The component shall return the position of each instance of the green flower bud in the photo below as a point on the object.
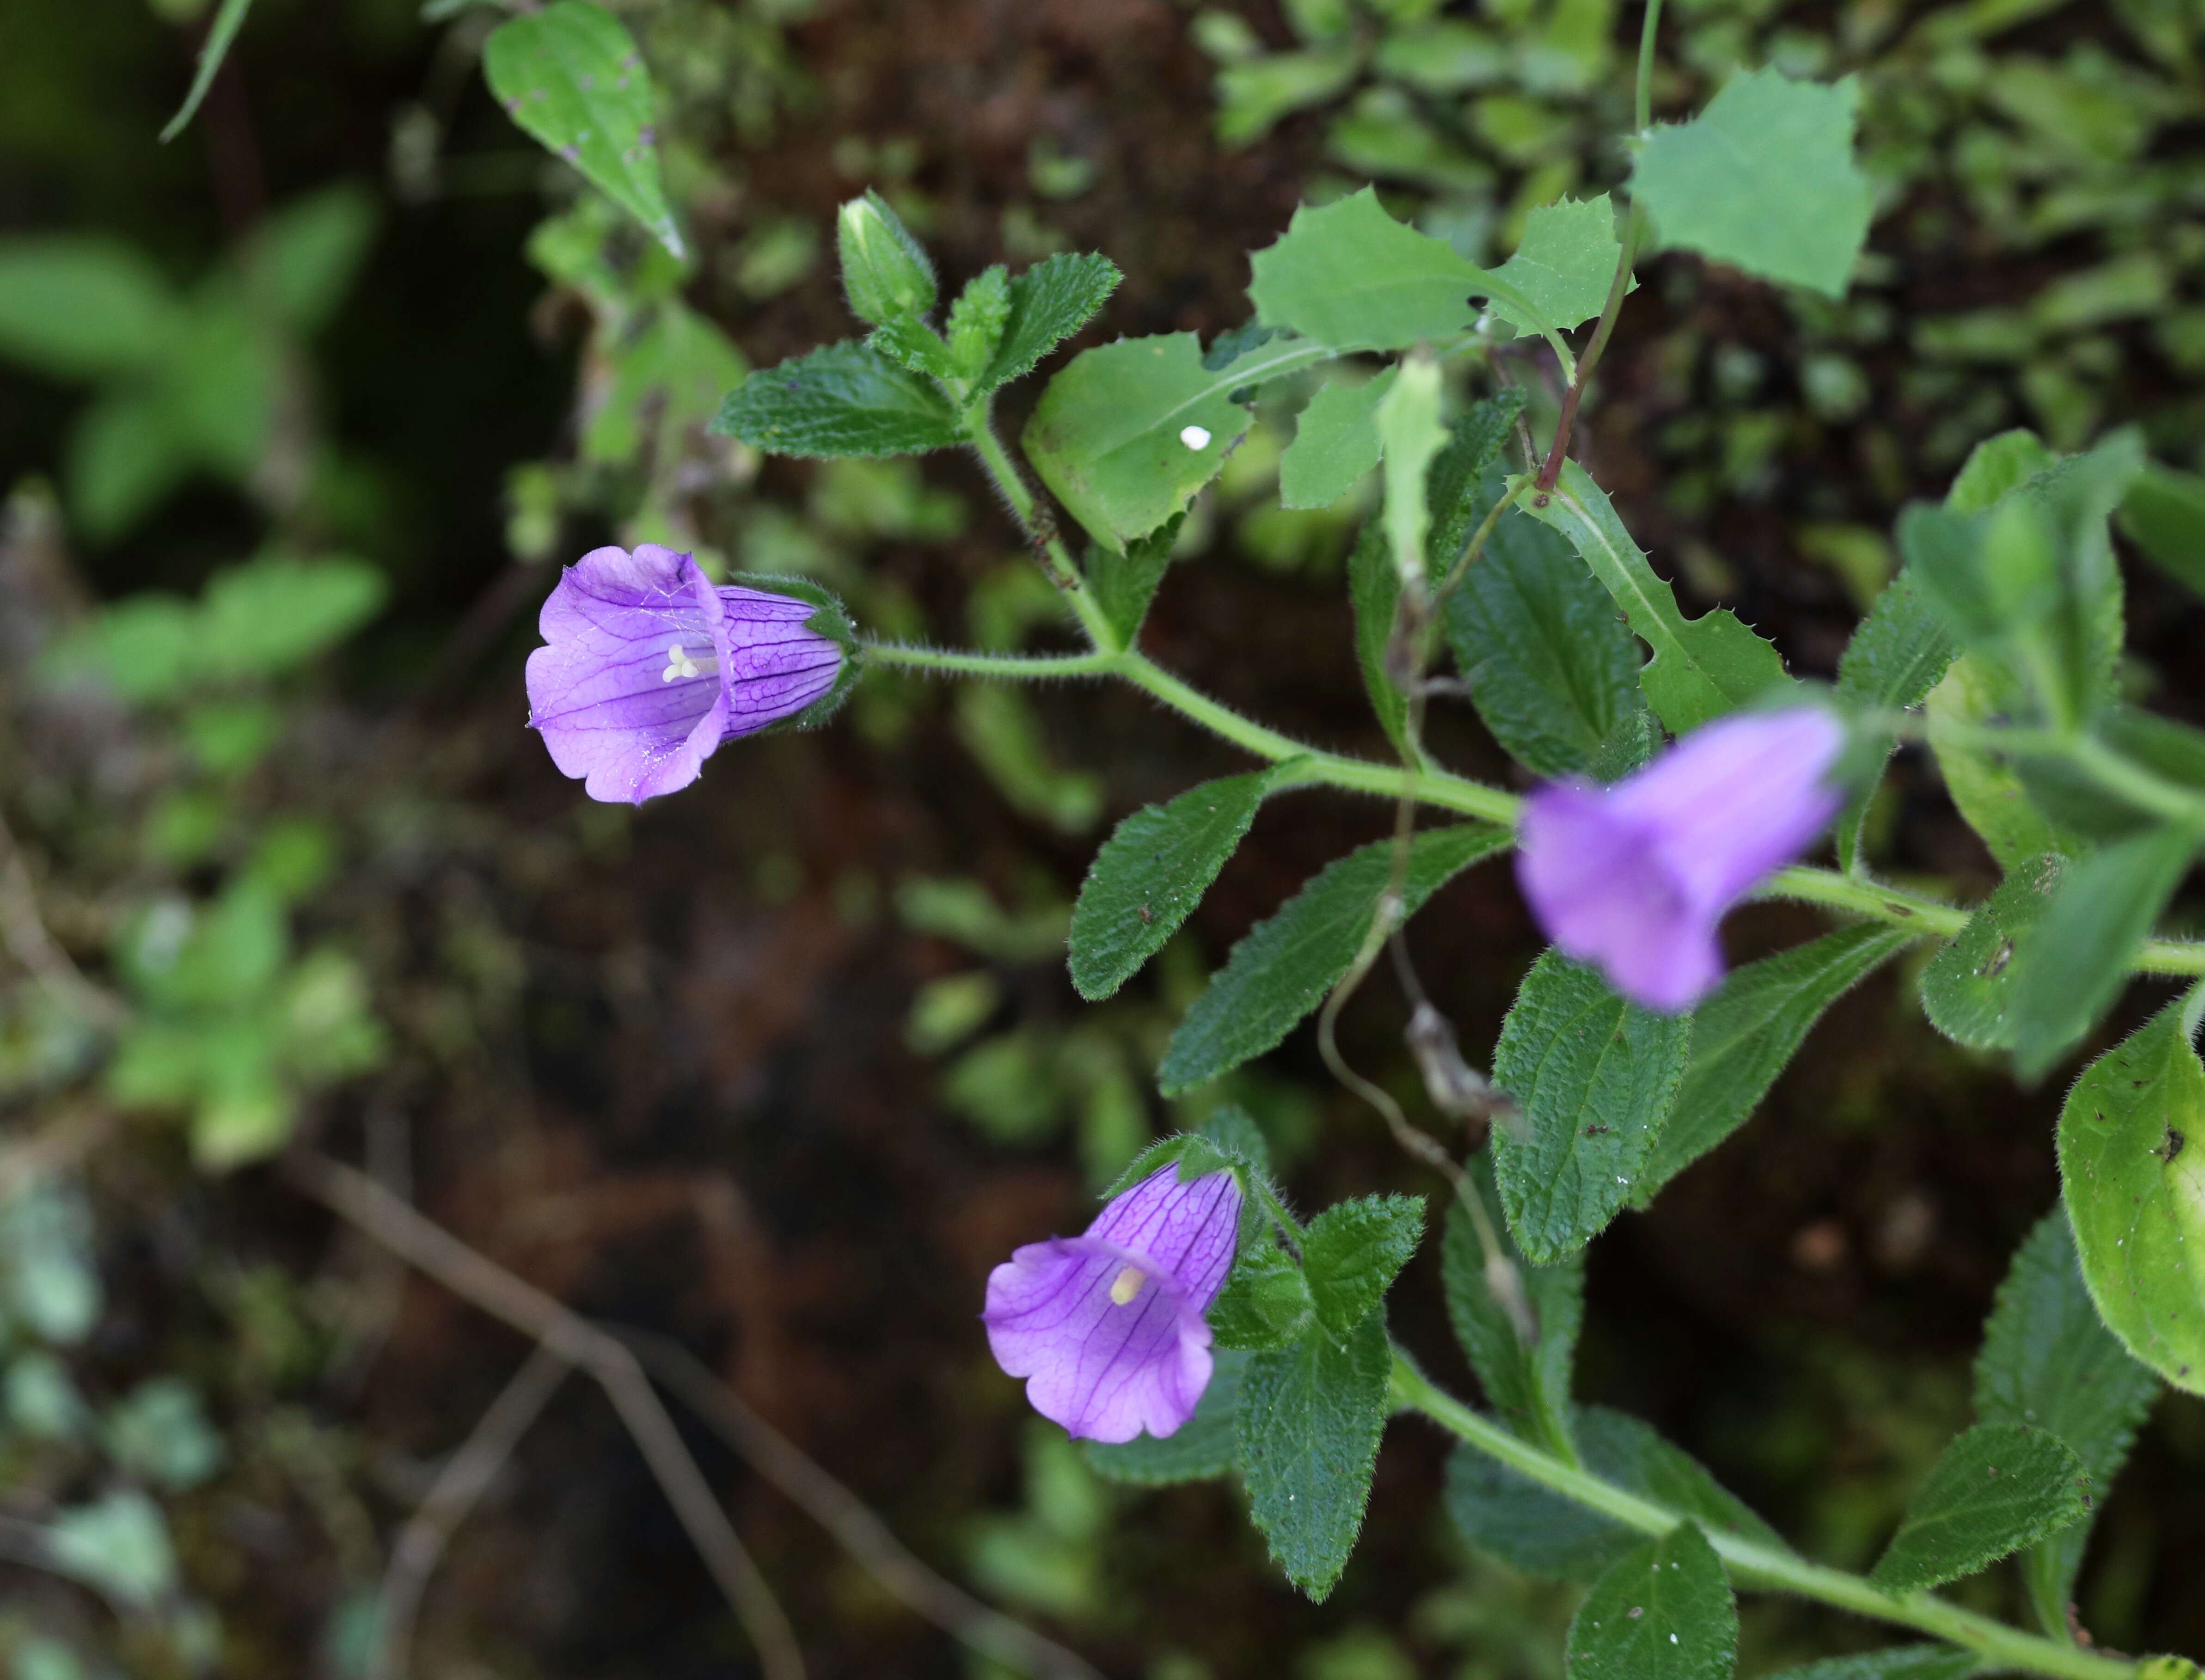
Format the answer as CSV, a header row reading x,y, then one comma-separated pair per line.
x,y
885,271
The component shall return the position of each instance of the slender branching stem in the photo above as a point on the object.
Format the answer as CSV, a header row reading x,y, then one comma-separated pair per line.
x,y
1056,560
1756,1566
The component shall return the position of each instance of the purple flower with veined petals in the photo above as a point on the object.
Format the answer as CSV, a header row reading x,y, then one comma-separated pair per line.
x,y
648,667
1634,878
1108,1327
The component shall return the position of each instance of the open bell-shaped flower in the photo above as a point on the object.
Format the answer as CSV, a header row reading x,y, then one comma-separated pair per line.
x,y
1634,878
1107,1328
647,667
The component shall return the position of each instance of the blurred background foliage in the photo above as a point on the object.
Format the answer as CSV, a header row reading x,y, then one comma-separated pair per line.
x,y
298,413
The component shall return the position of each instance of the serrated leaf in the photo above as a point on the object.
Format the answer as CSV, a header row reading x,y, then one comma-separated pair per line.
x,y
1764,179
1551,671
2075,961
1902,648
2132,1161
1265,1302
911,344
1664,1612
1353,1253
2164,514
977,321
1967,988
1284,967
1049,303
1900,1662
1349,276
1461,489
1998,1487
1374,594
1311,1419
570,75
1335,443
83,308
1203,1446
1702,668
1593,1076
2049,1362
271,614
1125,581
1529,1385
845,399
1151,873
1128,432
1748,1030
1565,263
221,35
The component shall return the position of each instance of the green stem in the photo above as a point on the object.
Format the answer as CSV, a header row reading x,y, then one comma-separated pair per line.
x,y
1758,1567
1059,564
1642,106
1027,667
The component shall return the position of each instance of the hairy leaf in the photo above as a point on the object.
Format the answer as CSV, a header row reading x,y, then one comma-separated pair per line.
x,y
1151,873
1702,668
1265,1303
1968,987
1527,1385
2049,1362
844,399
1594,1076
1335,443
1310,1418
2132,1160
1284,967
974,332
1049,303
1353,1252
1374,594
1203,1446
1998,1487
1125,581
1764,180
1664,1612
1901,649
570,75
1744,1034
1989,793
2164,514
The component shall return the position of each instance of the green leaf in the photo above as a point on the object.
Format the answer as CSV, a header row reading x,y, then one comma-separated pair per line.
x,y
1310,1418
1989,793
1353,1252
1550,669
1462,490
2049,1362
1409,431
265,617
570,75
1373,593
2164,514
1335,443
1998,1487
1744,1034
1253,95
2075,962
911,343
83,308
1128,432
842,400
220,34
1527,1385
1995,467
1565,263
1900,1662
1902,647
118,1545
1049,303
1125,581
1285,965
1151,873
1594,1076
1764,180
2132,1160
1350,276
1265,1303
2066,793
125,454
300,261
1203,1446
1702,668
977,320
1664,1612
1968,987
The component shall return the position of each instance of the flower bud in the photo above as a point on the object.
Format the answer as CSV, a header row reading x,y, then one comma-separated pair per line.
x,y
886,273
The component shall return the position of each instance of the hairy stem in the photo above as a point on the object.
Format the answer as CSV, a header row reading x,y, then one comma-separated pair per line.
x,y
1757,1567
1055,560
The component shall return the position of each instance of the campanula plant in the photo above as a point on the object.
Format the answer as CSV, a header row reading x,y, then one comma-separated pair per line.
x,y
1200,1325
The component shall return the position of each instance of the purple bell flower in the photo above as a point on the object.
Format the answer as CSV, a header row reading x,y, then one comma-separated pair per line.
x,y
1108,1327
648,667
1634,878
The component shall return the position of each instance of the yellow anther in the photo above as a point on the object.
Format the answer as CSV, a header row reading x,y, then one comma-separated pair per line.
x,y
1126,1285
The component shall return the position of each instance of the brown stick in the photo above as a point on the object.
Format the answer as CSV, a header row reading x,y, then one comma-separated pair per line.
x,y
430,1248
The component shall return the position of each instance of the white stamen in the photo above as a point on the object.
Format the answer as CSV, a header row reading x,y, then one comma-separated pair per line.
x,y
1127,1285
678,663
1195,437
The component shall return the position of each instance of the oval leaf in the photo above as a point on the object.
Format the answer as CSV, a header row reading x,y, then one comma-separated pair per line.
x,y
1967,990
847,399
1998,1487
1663,1612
